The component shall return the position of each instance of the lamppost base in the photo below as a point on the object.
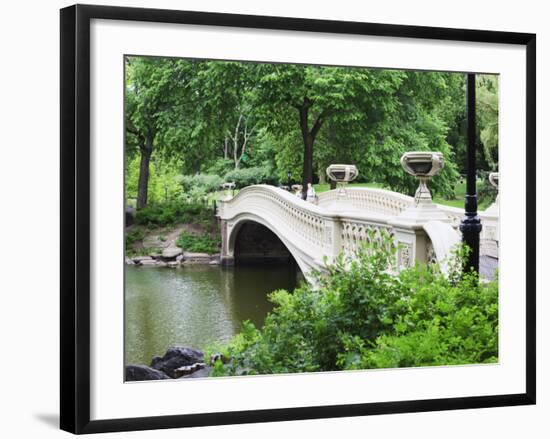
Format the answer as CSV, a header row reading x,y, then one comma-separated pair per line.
x,y
471,229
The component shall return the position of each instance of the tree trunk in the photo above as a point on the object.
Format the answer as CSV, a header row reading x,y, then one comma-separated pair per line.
x,y
307,172
308,137
322,176
225,147
143,183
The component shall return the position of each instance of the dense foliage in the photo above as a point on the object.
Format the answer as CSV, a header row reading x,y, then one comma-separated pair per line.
x,y
253,175
255,123
362,316
166,214
199,243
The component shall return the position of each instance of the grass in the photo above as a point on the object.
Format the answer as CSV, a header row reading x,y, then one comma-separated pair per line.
x,y
458,200
319,188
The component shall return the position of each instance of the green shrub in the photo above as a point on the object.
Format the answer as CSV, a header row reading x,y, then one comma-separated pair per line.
x,y
221,166
199,243
197,186
173,212
247,176
360,316
133,236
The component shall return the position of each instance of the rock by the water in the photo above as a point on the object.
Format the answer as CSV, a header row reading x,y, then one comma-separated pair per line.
x,y
188,370
128,261
173,264
135,372
179,258
149,262
171,252
214,262
201,373
176,357
140,259
190,255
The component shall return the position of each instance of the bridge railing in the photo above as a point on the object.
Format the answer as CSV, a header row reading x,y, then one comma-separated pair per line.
x,y
370,199
313,231
393,203
297,220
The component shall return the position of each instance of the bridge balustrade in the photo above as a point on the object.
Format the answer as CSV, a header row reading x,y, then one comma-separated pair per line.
x,y
312,232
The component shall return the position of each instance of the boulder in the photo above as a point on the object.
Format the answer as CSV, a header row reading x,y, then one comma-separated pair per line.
x,y
129,261
140,259
171,252
173,264
201,373
149,262
179,258
188,370
176,357
189,255
136,372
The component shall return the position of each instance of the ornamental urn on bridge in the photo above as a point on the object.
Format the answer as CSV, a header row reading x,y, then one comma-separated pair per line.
x,y
342,175
423,165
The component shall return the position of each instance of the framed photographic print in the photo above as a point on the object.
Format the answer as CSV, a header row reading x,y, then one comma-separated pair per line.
x,y
271,218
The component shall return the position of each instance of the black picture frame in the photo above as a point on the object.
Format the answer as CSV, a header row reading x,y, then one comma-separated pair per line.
x,y
75,217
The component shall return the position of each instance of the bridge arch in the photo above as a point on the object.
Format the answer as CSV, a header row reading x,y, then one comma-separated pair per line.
x,y
235,227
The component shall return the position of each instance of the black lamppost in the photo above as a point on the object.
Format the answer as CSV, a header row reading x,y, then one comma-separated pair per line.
x,y
289,175
471,224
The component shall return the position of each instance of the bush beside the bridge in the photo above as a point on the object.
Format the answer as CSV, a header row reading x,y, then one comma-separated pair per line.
x,y
362,317
243,177
199,243
174,212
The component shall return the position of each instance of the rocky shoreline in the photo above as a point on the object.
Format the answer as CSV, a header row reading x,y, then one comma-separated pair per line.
x,y
173,257
178,362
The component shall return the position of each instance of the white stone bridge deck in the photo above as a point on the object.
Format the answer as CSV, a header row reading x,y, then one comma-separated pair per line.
x,y
338,224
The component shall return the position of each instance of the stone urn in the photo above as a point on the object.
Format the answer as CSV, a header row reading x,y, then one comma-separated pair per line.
x,y
228,187
423,165
342,175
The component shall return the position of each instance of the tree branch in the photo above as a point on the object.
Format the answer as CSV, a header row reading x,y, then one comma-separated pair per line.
x,y
318,123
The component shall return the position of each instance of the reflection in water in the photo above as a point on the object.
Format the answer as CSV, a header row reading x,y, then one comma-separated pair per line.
x,y
196,305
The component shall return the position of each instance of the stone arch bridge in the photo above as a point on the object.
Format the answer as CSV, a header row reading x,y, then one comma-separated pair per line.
x,y
340,222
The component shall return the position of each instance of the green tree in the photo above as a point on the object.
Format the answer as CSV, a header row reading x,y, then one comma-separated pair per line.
x,y
487,115
227,101
314,95
159,112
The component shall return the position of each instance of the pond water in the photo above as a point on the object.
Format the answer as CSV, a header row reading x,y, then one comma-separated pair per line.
x,y
195,305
